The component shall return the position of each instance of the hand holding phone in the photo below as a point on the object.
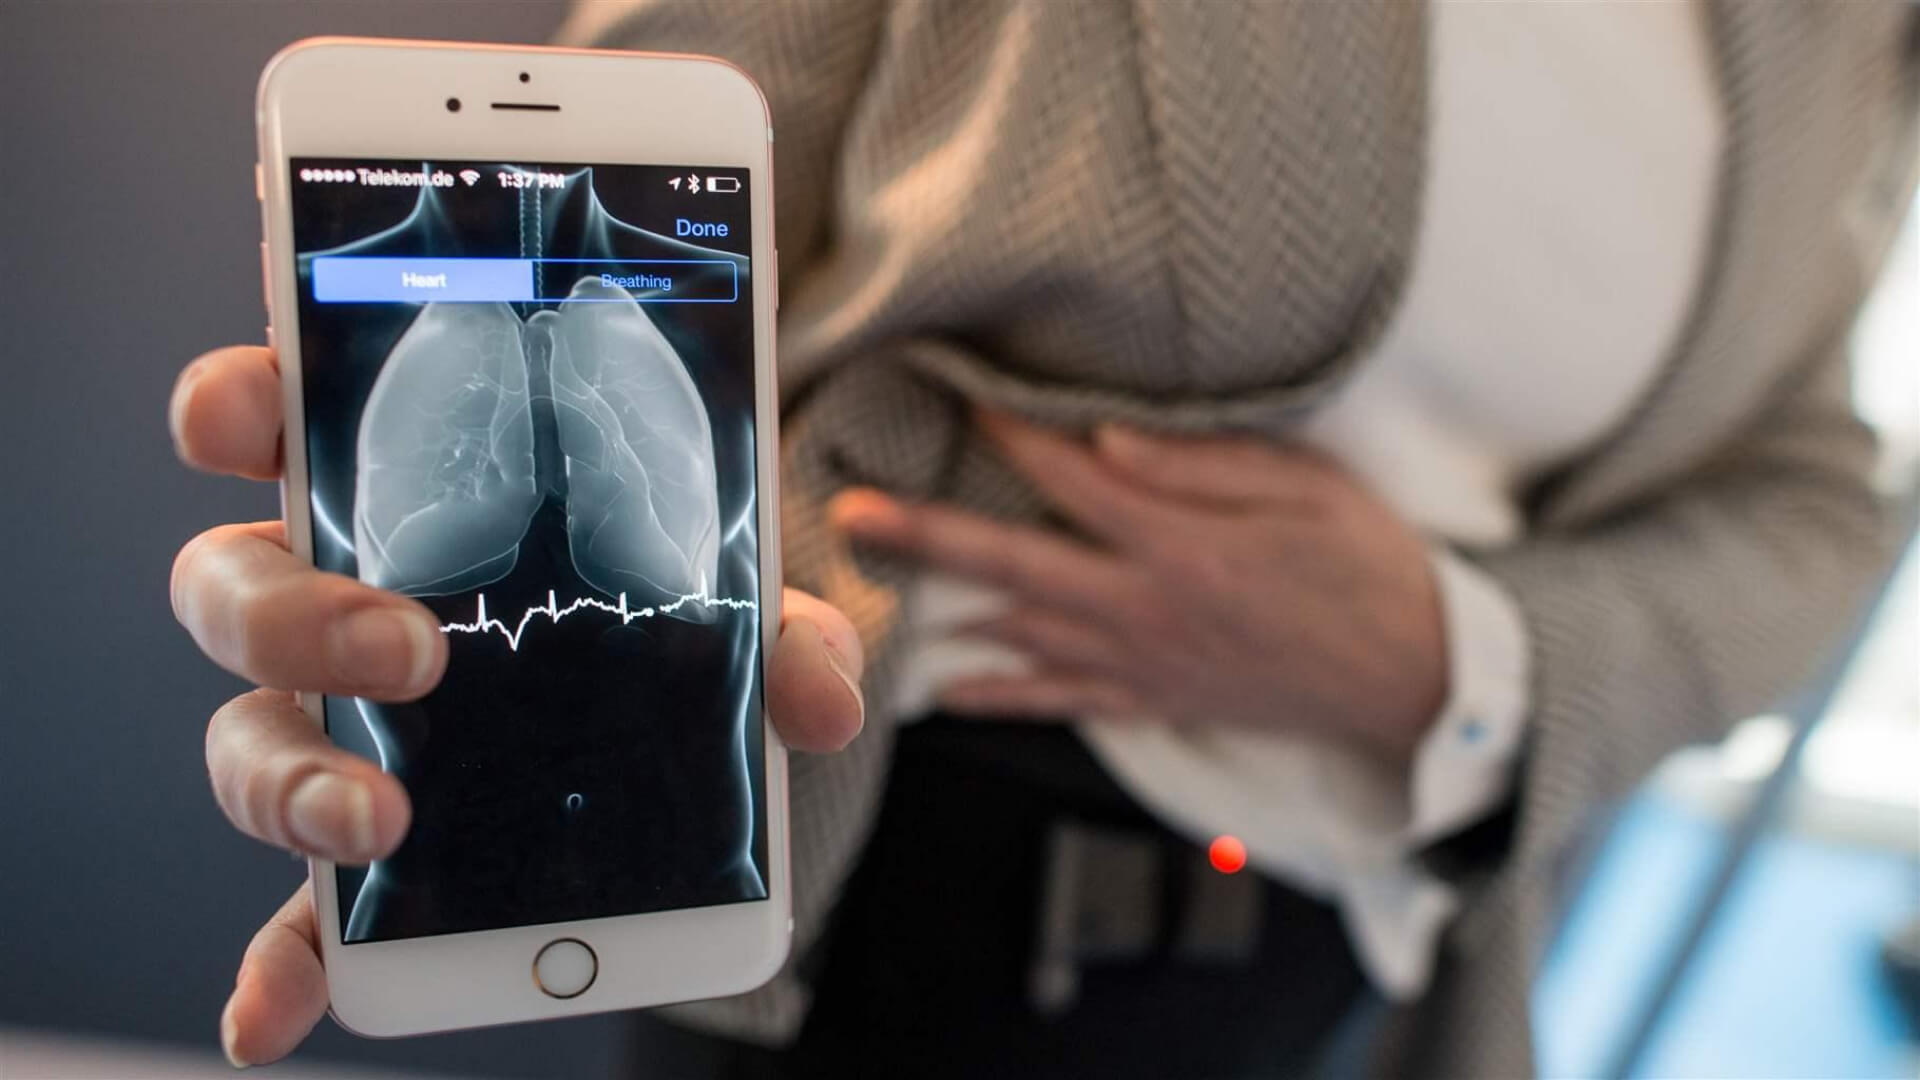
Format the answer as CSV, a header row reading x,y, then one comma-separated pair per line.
x,y
528,425
267,616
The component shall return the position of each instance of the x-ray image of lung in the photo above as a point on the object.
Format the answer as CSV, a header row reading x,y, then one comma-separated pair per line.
x,y
642,509
448,484
588,453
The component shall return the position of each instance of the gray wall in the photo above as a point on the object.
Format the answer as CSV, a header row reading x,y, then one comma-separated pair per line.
x,y
127,244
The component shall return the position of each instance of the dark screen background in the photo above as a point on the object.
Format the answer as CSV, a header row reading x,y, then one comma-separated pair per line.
x,y
602,769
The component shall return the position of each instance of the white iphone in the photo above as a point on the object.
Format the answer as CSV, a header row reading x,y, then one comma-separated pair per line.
x,y
523,300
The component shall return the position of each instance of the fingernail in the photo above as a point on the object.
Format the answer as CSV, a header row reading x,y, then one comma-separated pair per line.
x,y
868,512
385,649
230,1038
177,406
329,814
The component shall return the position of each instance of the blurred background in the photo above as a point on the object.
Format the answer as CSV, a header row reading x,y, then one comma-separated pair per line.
x,y
1734,915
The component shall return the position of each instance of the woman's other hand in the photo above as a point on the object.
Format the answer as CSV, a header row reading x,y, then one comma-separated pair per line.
x,y
1223,581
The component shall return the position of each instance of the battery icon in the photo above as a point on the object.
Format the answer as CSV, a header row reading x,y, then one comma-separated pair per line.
x,y
723,185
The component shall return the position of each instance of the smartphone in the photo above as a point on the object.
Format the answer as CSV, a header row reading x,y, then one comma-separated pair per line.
x,y
523,302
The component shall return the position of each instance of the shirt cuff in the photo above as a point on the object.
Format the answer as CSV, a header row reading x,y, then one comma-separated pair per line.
x,y
1464,766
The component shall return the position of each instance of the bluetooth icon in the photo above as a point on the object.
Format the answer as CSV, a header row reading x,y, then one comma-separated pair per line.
x,y
693,184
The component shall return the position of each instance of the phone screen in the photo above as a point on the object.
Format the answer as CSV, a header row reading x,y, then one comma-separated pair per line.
x,y
529,403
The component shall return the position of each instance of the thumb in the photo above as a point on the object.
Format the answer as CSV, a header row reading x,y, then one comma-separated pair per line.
x,y
281,991
813,678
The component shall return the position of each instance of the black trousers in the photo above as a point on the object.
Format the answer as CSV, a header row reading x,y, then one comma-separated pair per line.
x,y
928,967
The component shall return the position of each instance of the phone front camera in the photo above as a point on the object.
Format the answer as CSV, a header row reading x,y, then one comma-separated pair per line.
x,y
453,104
524,77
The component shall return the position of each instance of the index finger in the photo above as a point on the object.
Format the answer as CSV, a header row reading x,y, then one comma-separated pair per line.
x,y
225,412
268,616
1027,562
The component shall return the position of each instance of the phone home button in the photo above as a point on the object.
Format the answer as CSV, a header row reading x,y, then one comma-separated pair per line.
x,y
565,968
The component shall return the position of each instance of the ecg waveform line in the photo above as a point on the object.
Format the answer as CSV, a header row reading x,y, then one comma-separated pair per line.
x,y
483,623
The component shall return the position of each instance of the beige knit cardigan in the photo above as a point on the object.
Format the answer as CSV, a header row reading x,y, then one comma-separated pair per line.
x,y
1196,215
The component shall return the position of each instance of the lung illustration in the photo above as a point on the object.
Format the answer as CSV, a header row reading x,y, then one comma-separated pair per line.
x,y
447,485
643,514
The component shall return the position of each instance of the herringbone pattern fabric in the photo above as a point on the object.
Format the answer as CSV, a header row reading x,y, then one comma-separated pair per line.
x,y
1197,214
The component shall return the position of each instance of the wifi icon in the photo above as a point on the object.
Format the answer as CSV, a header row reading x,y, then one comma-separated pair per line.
x,y
469,176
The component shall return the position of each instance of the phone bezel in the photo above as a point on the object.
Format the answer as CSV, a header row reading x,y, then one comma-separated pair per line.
x,y
348,97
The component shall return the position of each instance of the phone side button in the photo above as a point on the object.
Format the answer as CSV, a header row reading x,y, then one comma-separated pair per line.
x,y
565,968
266,287
259,184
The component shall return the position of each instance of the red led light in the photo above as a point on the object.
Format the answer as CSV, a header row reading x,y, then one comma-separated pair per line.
x,y
1227,854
